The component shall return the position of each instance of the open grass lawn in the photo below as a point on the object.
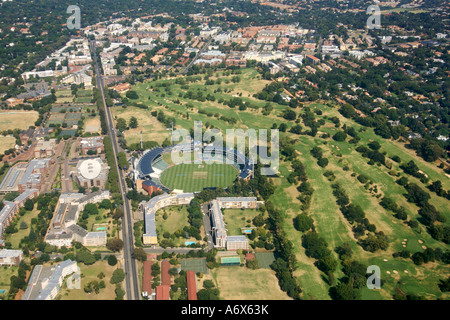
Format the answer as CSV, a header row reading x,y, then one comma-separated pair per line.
x,y
152,129
17,119
177,218
241,283
63,93
88,274
194,177
167,102
15,238
235,219
6,143
5,278
83,99
92,124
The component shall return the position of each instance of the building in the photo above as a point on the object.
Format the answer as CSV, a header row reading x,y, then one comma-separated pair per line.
x,y
312,59
93,145
45,148
236,243
10,257
163,292
11,208
64,229
45,282
92,173
147,279
165,276
218,228
149,209
191,285
34,174
78,78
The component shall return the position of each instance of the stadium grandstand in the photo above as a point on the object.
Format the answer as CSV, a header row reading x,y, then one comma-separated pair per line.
x,y
151,164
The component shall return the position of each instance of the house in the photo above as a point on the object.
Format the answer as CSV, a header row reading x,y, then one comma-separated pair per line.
x,y
147,279
312,59
93,145
45,148
165,276
163,292
10,257
191,285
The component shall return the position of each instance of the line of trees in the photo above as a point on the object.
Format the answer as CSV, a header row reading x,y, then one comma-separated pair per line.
x,y
356,217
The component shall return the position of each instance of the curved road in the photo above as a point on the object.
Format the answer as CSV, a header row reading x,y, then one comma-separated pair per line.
x,y
131,279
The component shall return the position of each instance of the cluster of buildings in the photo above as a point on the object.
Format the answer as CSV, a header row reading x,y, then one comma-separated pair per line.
x,y
45,282
64,230
11,208
149,208
73,62
25,176
162,291
218,226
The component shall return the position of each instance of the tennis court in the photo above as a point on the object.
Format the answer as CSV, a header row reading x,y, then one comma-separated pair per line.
x,y
196,265
265,259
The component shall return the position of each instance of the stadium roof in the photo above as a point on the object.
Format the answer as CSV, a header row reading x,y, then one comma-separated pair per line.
x,y
90,168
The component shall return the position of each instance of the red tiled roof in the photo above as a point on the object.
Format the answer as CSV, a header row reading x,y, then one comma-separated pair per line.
x,y
191,285
162,292
147,278
165,276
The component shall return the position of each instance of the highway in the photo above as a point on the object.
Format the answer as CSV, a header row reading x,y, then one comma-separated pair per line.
x,y
131,279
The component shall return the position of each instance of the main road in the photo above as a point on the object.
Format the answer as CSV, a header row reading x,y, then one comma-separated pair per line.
x,y
131,279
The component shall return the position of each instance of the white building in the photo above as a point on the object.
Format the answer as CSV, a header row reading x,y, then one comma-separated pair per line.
x,y
45,282
10,257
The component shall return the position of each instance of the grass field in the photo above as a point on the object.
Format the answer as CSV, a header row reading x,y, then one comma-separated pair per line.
x,y
235,219
177,218
17,119
241,283
265,259
194,177
6,142
88,274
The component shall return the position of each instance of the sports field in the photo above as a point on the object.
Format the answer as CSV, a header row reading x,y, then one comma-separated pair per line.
x,y
194,177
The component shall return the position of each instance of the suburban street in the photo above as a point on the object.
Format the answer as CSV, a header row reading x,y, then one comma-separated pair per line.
x,y
131,279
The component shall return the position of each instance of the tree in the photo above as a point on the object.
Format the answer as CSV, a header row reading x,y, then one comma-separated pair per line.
x,y
323,162
303,222
139,254
118,276
339,136
91,209
29,205
112,260
133,122
345,291
114,244
327,263
131,94
121,125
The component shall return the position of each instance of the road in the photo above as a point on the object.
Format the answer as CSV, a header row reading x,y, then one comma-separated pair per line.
x,y
131,279
185,70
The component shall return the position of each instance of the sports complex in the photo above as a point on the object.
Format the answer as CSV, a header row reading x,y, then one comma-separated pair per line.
x,y
217,167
